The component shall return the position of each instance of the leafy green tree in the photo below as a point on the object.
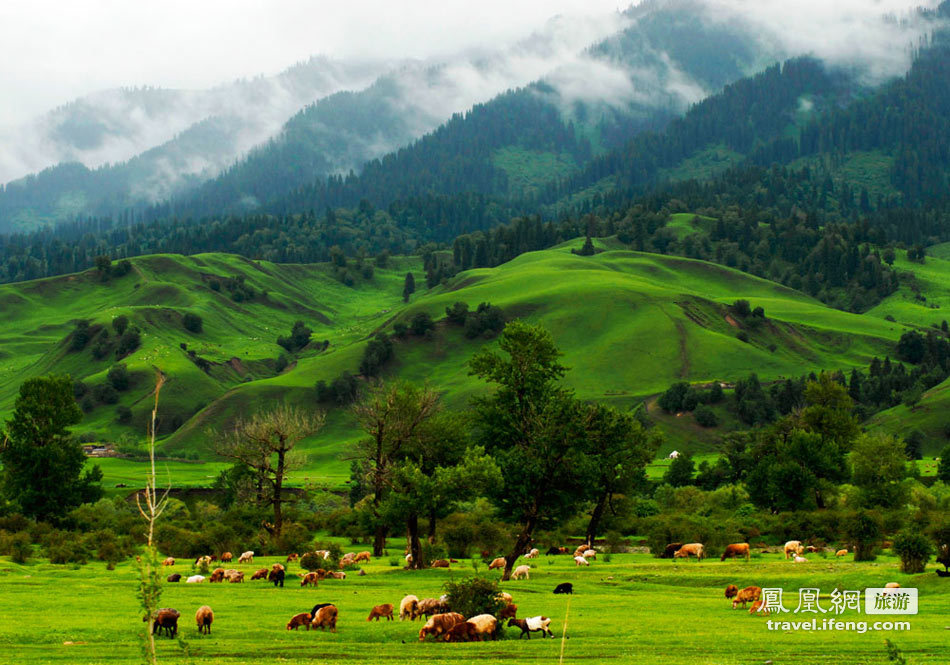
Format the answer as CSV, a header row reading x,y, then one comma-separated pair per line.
x,y
265,442
377,353
863,529
299,337
742,308
408,287
878,465
914,444
530,426
791,467
120,324
672,400
618,450
42,462
421,323
105,393
705,416
419,486
192,322
680,471
80,336
457,313
829,412
118,377
103,267
588,248
914,550
943,468
394,418
128,342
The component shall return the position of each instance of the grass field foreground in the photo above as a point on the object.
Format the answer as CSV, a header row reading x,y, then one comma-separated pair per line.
x,y
633,609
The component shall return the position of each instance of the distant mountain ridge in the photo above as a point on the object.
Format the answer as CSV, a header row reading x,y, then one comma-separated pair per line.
x,y
660,62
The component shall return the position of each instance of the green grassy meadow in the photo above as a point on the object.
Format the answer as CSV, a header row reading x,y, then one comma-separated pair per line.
x,y
634,609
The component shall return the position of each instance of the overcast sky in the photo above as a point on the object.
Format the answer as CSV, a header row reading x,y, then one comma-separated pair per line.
x,y
54,50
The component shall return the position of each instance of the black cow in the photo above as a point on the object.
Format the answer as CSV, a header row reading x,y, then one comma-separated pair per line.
x,y
316,607
277,577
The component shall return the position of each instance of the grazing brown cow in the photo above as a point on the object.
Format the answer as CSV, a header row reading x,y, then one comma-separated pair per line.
x,y
735,550
439,563
381,611
260,574
841,553
690,549
793,548
217,575
204,617
170,561
731,591
361,557
299,620
166,619
462,632
486,626
226,557
440,624
325,618
310,579
430,606
292,557
497,563
749,594
409,608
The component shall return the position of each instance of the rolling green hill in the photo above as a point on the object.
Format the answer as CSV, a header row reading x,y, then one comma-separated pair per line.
x,y
629,324
924,295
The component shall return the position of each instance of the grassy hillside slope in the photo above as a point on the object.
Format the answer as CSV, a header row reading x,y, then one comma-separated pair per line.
x,y
924,295
629,324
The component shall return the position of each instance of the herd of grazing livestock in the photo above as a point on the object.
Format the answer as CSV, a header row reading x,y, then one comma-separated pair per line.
x,y
440,622
793,550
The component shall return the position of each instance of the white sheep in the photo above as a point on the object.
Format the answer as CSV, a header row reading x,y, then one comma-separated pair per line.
x,y
521,572
247,557
532,553
581,561
195,579
800,559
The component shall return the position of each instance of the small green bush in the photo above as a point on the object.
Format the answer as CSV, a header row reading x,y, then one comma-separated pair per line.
x,y
472,596
914,550
706,417
17,546
192,322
